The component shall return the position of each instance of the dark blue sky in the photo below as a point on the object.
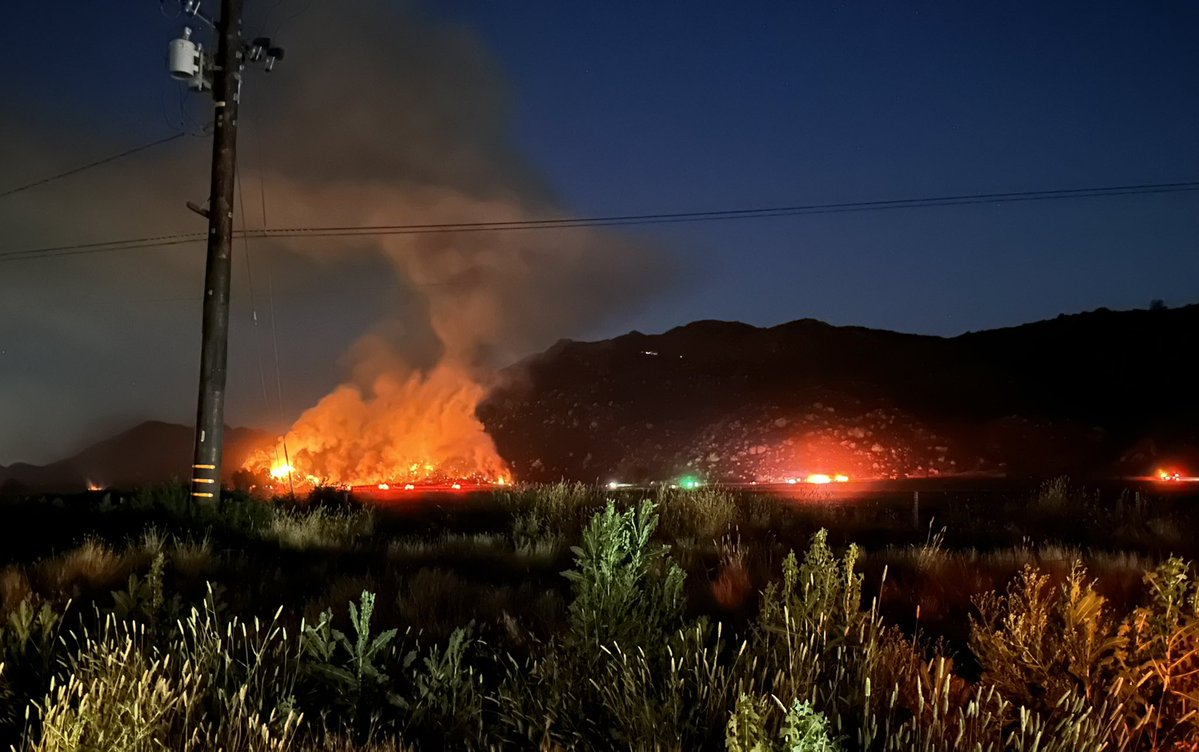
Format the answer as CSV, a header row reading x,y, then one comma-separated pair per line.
x,y
668,106
678,106
616,107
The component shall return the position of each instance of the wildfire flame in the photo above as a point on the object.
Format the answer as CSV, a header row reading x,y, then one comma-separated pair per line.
x,y
406,429
819,479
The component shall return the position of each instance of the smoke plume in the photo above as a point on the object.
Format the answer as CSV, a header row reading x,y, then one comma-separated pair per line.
x,y
421,137
379,115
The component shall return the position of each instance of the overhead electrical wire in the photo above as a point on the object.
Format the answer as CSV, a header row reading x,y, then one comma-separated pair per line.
x,y
241,197
160,241
611,220
271,302
91,165
729,214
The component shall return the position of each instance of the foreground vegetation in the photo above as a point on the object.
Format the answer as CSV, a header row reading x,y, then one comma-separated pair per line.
x,y
555,618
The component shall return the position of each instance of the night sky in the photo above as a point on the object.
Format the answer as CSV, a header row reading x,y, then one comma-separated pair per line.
x,y
392,112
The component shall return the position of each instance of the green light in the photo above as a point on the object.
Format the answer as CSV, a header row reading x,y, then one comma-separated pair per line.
x,y
689,483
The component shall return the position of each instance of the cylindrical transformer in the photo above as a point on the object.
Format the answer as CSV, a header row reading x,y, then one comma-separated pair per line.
x,y
183,60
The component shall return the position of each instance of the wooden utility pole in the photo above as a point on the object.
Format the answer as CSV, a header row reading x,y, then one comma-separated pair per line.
x,y
214,346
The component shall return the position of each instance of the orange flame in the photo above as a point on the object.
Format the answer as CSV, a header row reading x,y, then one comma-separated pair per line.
x,y
410,427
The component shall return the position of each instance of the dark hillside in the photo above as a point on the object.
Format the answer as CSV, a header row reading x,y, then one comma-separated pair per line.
x,y
1081,394
151,452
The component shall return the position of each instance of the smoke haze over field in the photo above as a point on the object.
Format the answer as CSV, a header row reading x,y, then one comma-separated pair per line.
x,y
405,125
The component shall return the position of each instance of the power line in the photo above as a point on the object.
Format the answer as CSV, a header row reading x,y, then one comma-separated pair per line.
x,y
241,197
730,214
104,247
613,220
90,165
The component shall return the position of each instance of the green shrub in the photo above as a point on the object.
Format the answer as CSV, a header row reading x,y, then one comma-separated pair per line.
x,y
1038,644
447,697
626,589
9,705
143,599
348,674
614,674
820,593
1160,655
746,730
32,643
812,641
805,730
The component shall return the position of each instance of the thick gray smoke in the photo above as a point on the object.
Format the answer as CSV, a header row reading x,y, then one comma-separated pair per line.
x,y
378,115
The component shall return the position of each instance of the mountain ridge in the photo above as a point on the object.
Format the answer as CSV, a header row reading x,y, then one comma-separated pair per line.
x,y
727,400
1088,393
149,452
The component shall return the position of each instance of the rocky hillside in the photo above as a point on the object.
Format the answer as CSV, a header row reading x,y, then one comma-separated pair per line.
x,y
1094,393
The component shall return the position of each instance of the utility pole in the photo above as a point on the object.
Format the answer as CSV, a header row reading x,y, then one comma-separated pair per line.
x,y
214,340
187,61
